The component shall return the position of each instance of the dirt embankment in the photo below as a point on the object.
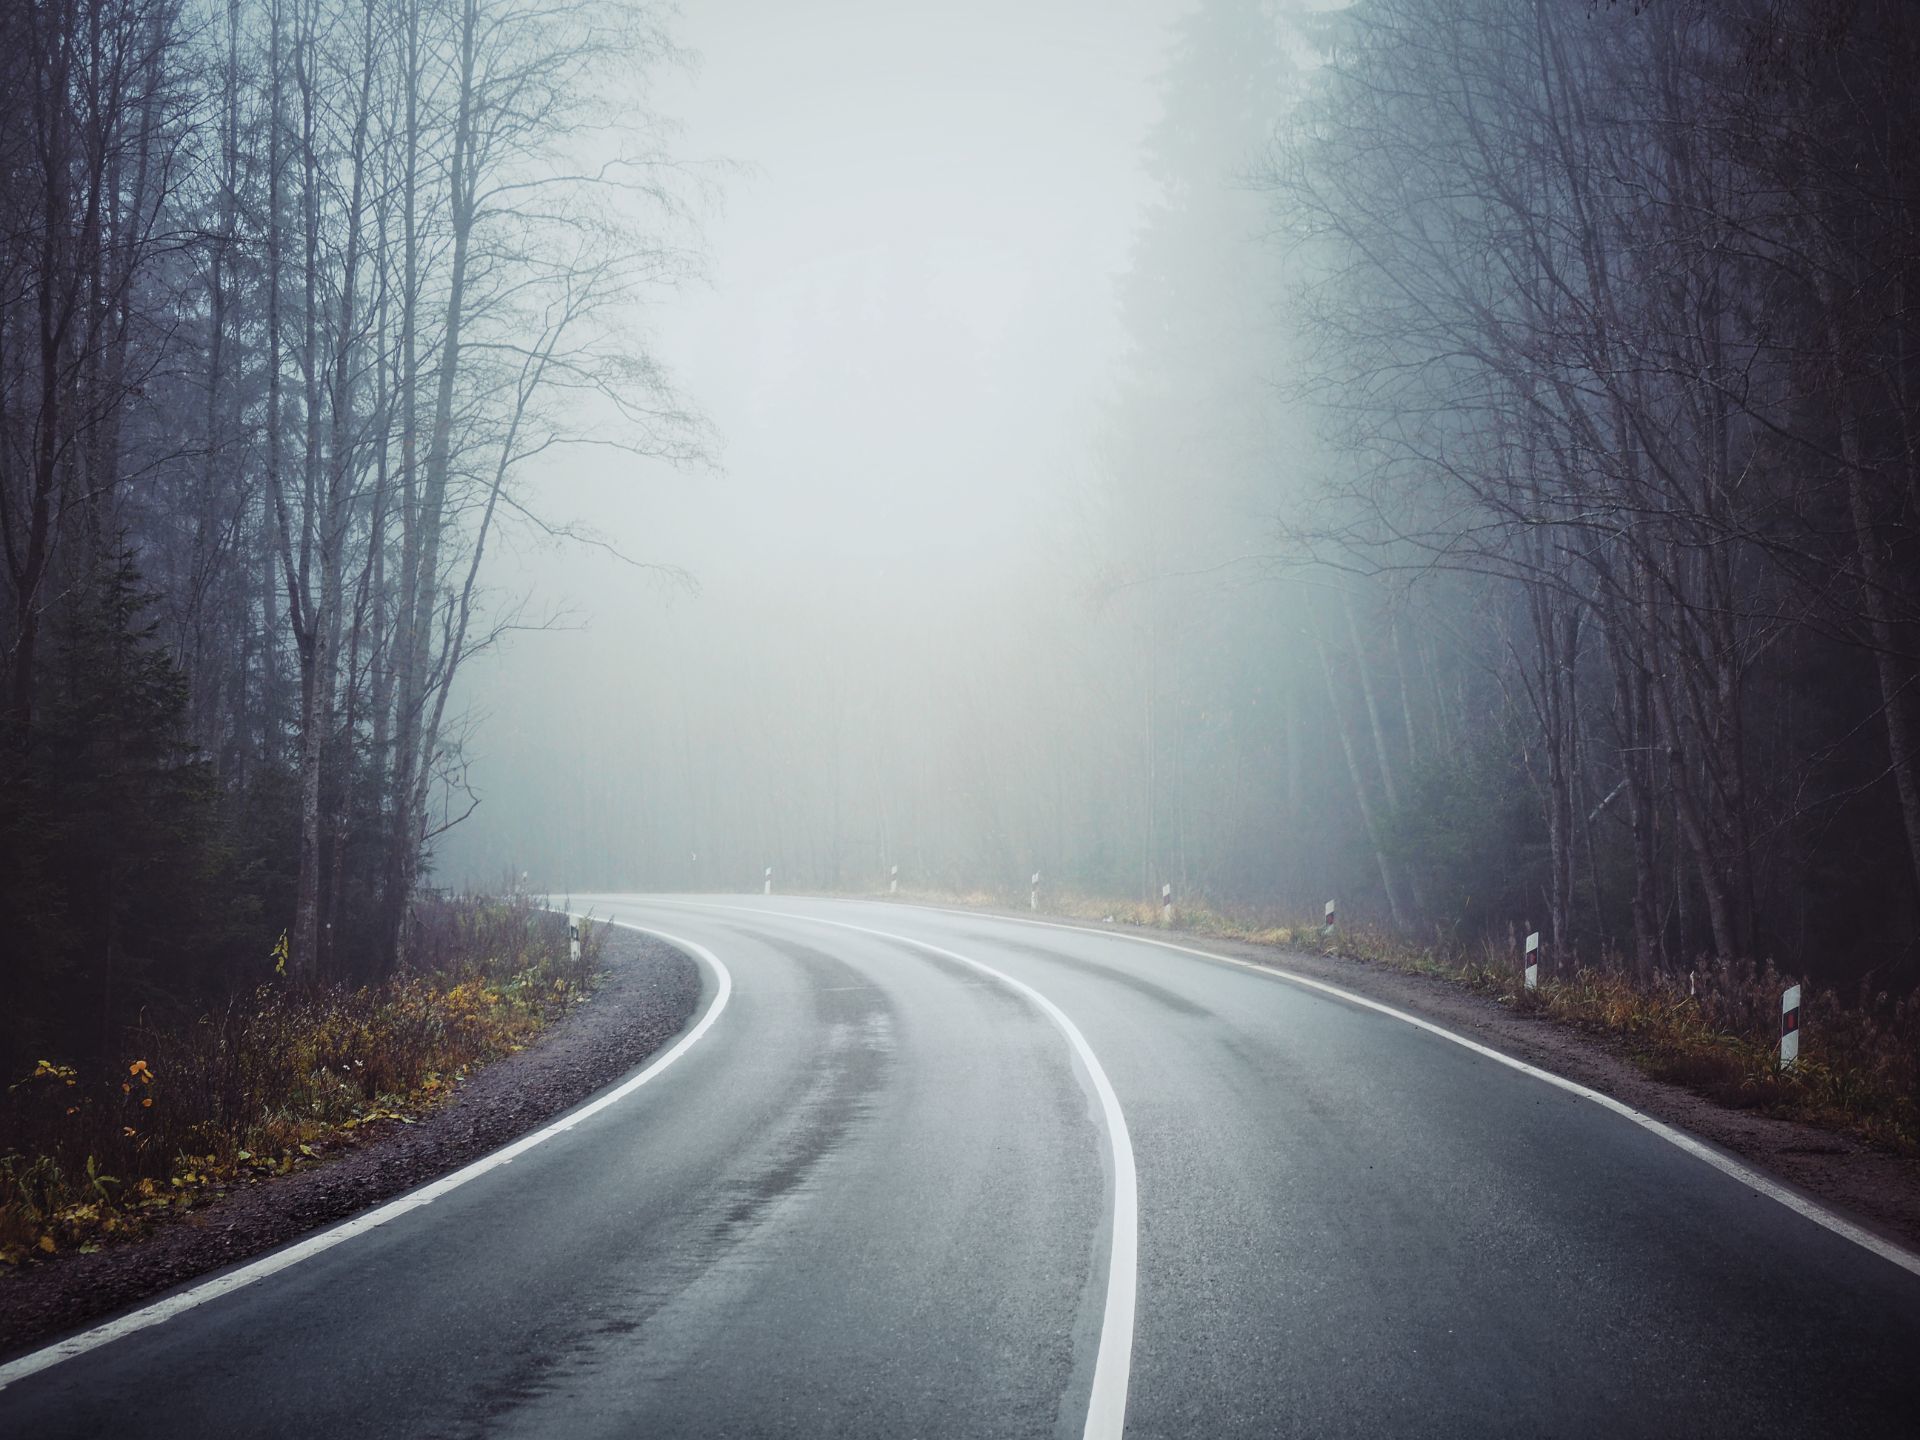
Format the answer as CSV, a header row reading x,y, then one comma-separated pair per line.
x,y
648,995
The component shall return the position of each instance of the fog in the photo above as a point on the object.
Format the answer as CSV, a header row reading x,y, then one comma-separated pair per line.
x,y
905,344
1429,488
1458,459
1281,451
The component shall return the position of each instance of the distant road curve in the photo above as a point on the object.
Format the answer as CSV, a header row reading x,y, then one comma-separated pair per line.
x,y
913,1172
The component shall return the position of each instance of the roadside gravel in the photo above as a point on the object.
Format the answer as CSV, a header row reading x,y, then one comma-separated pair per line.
x,y
649,993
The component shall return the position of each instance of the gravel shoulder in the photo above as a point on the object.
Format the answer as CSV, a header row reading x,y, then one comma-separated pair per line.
x,y
1875,1189
650,992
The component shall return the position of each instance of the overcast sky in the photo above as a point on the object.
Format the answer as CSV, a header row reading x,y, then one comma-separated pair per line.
x,y
911,312
913,302
909,329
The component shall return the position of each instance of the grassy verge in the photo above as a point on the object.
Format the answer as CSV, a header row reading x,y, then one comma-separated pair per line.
x,y
1715,1030
273,1079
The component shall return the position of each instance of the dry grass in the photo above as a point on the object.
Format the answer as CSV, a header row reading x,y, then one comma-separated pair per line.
x,y
1715,1031
272,1079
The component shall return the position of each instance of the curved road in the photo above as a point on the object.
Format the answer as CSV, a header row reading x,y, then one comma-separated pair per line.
x,y
913,1173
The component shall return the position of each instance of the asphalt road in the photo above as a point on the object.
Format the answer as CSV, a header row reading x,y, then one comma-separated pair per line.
x,y
897,1187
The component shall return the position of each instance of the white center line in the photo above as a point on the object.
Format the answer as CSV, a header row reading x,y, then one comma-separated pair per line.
x,y
1113,1362
291,1255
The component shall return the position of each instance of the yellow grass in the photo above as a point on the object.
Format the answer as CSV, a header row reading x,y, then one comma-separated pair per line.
x,y
271,1081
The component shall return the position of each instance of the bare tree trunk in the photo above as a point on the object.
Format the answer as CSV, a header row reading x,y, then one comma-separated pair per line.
x,y
1389,881
342,467
1383,759
1406,690
314,637
1296,806
1634,735
417,741
1896,689
411,601
29,554
209,545
1556,628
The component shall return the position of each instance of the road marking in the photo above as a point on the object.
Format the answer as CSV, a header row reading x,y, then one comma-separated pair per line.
x,y
1113,1362
1801,1205
273,1264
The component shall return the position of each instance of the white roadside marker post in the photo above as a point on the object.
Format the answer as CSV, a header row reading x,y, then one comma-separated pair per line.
x,y
1533,961
767,888
573,938
1789,1027
1166,904
1329,925
1033,894
893,881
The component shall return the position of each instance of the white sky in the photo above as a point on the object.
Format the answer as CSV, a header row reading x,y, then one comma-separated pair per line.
x,y
911,317
910,328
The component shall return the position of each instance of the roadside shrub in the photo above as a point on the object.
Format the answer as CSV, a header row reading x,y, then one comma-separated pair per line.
x,y
272,1078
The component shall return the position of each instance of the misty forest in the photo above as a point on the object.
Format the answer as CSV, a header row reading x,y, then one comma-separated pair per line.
x,y
1491,500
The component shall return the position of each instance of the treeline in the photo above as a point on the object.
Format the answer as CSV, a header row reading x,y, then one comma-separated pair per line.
x,y
1505,521
290,293
1612,342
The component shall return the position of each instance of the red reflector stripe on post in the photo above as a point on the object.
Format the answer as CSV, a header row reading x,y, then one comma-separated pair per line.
x,y
1790,1022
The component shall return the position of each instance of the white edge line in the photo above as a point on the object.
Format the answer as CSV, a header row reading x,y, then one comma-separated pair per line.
x,y
1800,1204
1113,1360
283,1259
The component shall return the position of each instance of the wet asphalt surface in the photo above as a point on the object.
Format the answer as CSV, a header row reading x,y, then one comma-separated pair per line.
x,y
875,1199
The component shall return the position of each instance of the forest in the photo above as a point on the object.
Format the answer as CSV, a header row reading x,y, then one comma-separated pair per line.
x,y
1021,717
1500,516
291,292
1501,520
1616,337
